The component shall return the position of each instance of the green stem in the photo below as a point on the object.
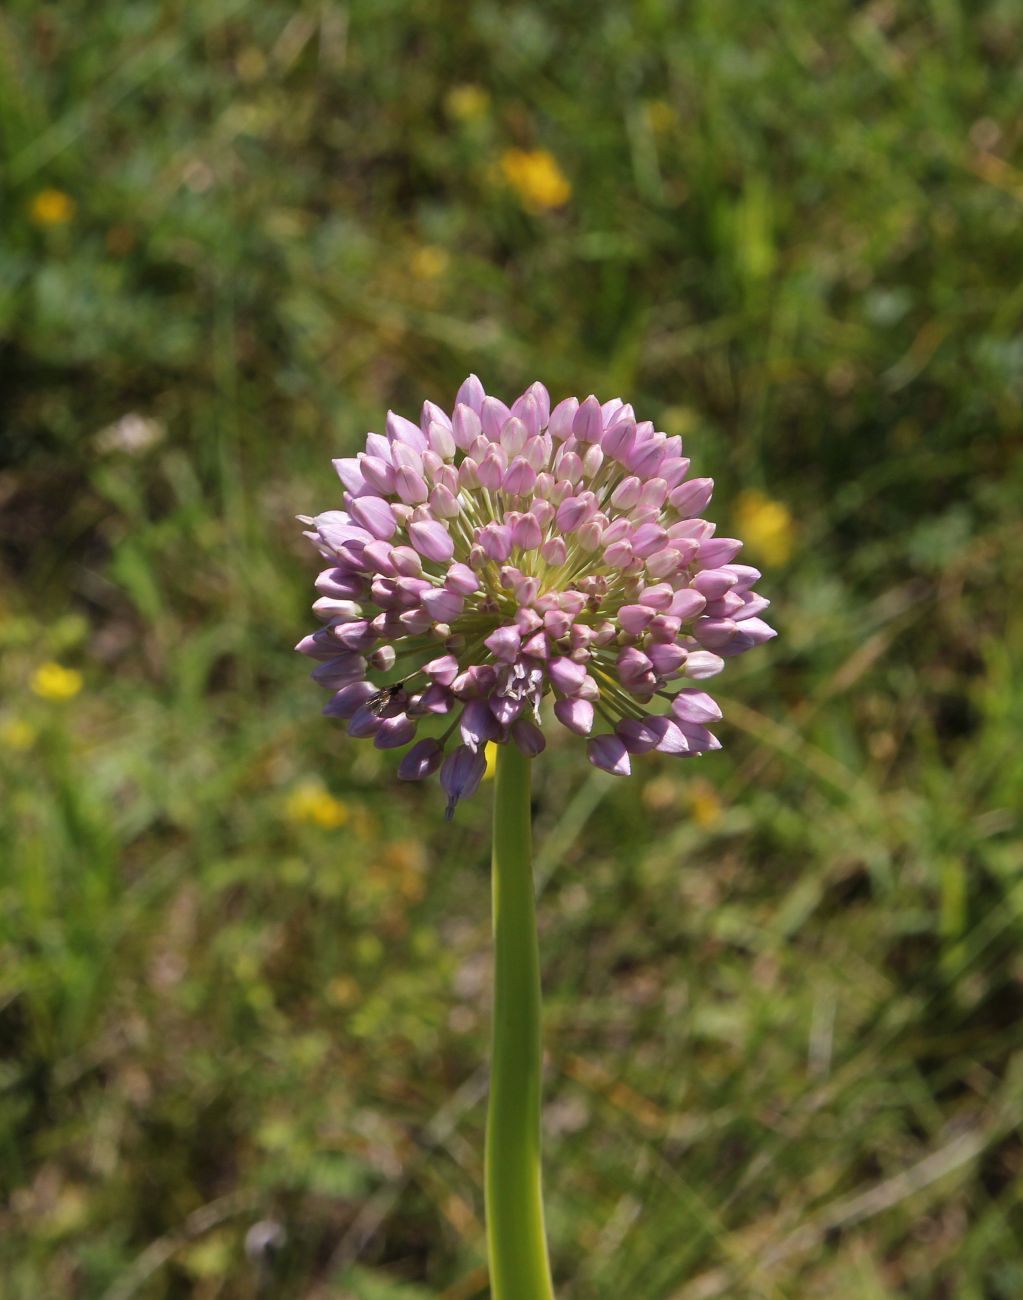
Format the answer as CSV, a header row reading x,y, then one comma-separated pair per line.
x,y
516,1242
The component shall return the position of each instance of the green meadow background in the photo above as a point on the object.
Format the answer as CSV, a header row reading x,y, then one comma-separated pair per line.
x,y
244,975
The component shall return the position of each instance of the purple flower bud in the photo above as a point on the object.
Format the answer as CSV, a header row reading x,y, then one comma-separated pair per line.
x,y
441,439
664,627
504,644
557,623
645,458
638,736
609,753
443,670
572,602
432,541
648,538
568,467
520,478
436,699
378,557
358,636
383,658
536,646
634,618
349,699
461,578
471,394
528,737
321,645
692,497
653,494
513,436
665,563
633,667
588,426
566,675
716,551
576,715
745,576
350,473
340,583
395,732
752,605
443,503
691,705
493,414
619,440
686,604
468,475
492,469
542,399
421,760
725,606
562,419
331,610
414,621
526,409
713,633
554,552
749,633
409,592
364,722
442,605
713,583
699,739
496,541
378,473
543,512
694,530
702,664
505,709
477,724
627,493
671,737
374,514
589,690
618,555
526,533
571,513
666,659
538,452
400,430
673,470
460,775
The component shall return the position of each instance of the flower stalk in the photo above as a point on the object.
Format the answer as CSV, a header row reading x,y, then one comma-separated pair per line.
x,y
516,1240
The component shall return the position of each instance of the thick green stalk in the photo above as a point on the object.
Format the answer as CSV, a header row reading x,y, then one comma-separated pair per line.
x,y
516,1242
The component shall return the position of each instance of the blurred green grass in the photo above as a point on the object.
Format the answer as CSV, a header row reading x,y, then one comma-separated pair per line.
x,y
244,974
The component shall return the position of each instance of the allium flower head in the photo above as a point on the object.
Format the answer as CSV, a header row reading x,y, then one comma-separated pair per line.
x,y
491,557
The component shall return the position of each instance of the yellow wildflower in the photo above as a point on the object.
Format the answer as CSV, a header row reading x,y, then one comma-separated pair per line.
x,y
52,681
535,176
343,991
661,116
251,64
428,262
490,753
705,806
466,103
310,802
17,734
51,208
767,526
